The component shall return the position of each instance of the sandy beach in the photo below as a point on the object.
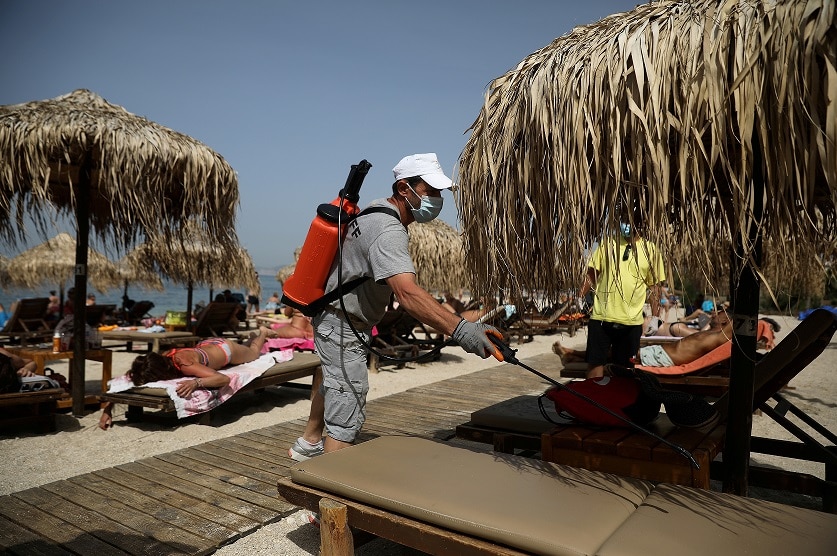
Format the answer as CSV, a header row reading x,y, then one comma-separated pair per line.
x,y
79,446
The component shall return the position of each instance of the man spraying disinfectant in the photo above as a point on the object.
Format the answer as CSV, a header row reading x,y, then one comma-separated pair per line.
x,y
372,263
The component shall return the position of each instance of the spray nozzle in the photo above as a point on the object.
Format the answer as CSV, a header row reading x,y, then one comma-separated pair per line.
x,y
351,191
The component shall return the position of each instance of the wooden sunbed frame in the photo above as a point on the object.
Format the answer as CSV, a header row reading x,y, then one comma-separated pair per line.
x,y
28,321
302,365
527,324
21,409
218,319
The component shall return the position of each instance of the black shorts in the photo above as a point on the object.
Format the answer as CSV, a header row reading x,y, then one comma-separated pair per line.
x,y
252,300
611,342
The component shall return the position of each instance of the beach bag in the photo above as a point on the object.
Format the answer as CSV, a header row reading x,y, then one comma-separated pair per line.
x,y
622,395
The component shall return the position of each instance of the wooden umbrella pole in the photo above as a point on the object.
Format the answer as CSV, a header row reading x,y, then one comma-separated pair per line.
x,y
744,287
80,294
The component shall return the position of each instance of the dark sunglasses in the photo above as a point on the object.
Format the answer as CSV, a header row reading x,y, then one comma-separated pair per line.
x,y
627,252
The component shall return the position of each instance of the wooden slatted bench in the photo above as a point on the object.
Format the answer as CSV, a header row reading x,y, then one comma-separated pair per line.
x,y
137,399
22,409
635,454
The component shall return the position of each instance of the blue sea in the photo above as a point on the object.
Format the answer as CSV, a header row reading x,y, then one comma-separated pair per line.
x,y
173,298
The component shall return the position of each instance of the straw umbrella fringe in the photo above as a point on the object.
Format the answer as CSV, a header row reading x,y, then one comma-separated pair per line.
x,y
439,257
652,108
194,260
143,176
53,262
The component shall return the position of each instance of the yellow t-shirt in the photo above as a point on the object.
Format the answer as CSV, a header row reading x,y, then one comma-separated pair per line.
x,y
621,287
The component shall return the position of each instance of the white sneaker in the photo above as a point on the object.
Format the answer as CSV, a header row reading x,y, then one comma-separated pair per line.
x,y
303,450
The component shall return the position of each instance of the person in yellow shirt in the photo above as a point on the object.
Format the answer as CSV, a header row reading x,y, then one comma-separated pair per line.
x,y
620,273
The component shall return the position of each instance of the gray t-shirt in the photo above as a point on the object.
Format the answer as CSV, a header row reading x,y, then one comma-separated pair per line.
x,y
376,245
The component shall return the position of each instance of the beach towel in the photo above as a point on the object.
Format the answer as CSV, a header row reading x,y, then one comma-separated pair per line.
x,y
282,344
207,399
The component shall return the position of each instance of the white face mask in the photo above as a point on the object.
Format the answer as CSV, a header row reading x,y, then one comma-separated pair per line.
x,y
429,208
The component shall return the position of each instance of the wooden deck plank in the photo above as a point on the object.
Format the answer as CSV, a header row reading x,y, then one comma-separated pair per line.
x,y
203,484
138,521
19,541
186,512
94,524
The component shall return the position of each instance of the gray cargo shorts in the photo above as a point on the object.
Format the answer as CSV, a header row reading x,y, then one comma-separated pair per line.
x,y
345,378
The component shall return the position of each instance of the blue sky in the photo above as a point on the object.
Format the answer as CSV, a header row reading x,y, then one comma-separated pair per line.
x,y
290,93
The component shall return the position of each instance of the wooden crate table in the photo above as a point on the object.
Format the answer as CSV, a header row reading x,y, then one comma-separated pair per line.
x,y
632,453
43,355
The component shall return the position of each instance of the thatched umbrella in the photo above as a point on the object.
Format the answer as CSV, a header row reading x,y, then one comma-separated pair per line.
x,y
133,270
4,272
121,176
54,261
285,272
437,253
710,121
439,257
197,260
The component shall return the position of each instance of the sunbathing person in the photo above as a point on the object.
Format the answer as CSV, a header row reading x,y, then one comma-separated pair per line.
x,y
667,355
201,362
299,326
654,326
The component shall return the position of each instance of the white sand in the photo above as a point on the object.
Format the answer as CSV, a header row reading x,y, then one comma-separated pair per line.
x,y
81,447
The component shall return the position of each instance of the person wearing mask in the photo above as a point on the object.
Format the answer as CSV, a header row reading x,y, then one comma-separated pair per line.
x,y
376,246
619,273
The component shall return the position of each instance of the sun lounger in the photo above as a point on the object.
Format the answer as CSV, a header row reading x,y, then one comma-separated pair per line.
x,y
302,365
28,322
156,341
27,409
138,311
96,314
218,319
636,455
531,322
443,499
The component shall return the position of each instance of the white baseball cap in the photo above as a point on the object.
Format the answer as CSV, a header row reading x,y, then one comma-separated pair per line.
x,y
425,166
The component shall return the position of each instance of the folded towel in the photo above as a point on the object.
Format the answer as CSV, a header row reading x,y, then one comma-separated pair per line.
x,y
289,344
209,398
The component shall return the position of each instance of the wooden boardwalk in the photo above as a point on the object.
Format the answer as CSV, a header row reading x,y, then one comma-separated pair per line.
x,y
195,500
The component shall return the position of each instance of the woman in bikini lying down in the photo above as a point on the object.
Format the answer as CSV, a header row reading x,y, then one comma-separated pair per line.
x,y
201,362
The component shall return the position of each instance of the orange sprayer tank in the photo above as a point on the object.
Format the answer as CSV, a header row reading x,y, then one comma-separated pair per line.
x,y
307,283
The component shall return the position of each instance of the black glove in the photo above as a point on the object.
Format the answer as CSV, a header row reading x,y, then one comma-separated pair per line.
x,y
471,336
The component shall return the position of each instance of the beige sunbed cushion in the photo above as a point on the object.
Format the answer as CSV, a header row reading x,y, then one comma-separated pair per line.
x,y
519,415
684,521
520,502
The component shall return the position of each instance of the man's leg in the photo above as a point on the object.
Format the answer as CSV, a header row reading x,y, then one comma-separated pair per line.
x,y
698,344
316,422
598,345
625,342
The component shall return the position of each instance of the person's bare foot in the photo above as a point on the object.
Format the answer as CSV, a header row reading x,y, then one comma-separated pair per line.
x,y
567,355
268,332
558,349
